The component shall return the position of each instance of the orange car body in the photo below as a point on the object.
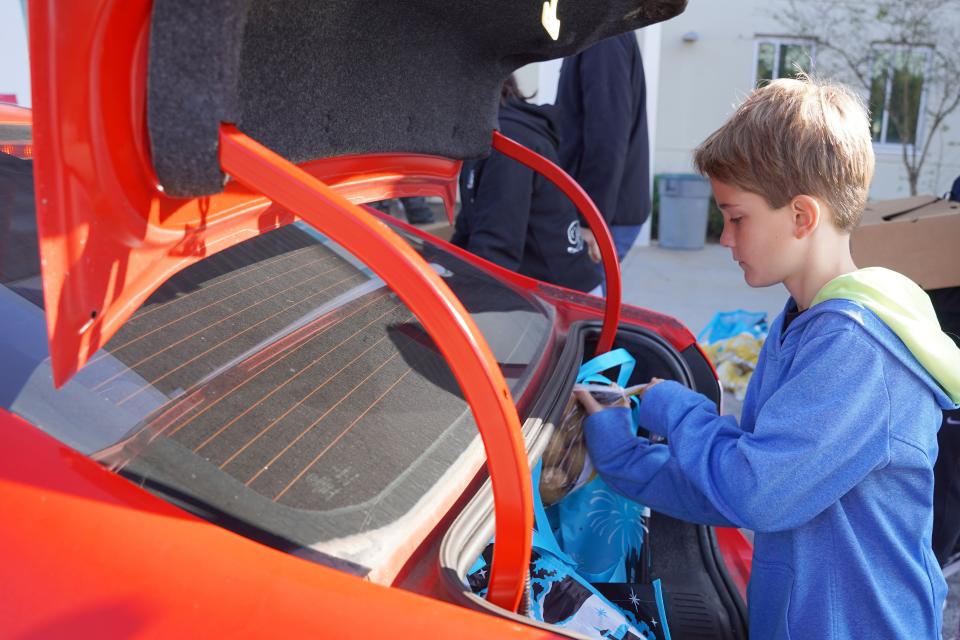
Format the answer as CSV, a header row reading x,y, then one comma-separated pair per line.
x,y
87,552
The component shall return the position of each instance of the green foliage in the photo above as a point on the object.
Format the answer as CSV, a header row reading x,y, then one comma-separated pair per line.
x,y
655,210
714,222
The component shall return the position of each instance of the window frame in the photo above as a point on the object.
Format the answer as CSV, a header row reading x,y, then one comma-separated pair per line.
x,y
780,41
919,134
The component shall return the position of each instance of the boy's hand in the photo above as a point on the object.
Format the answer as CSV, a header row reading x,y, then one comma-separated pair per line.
x,y
591,405
593,249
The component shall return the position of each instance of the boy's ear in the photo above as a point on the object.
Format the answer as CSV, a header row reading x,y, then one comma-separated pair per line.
x,y
806,212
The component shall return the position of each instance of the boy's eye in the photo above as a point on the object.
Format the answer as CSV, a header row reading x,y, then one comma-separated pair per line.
x,y
735,220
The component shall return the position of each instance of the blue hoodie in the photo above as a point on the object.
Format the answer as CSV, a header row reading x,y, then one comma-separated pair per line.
x,y
831,466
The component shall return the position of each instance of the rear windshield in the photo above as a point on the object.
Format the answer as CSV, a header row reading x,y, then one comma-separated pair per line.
x,y
277,386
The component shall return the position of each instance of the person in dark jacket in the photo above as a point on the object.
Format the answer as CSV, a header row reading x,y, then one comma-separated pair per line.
x,y
515,217
415,208
604,141
946,471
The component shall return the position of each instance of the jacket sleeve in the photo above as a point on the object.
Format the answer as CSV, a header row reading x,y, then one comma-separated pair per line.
x,y
748,408
501,212
607,122
815,438
644,472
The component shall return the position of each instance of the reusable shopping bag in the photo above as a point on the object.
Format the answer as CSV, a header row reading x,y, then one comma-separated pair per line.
x,y
559,595
566,464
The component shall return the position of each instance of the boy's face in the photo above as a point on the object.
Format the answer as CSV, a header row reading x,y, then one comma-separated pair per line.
x,y
762,239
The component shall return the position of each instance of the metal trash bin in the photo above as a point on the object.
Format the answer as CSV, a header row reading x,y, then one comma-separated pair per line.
x,y
684,204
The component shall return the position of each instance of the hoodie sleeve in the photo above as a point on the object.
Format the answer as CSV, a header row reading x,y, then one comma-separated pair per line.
x,y
501,212
814,439
644,472
607,122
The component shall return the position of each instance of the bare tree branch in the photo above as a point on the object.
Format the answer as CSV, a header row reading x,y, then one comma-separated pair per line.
x,y
849,35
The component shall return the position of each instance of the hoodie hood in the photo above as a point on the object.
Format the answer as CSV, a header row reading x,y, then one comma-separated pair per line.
x,y
906,309
541,119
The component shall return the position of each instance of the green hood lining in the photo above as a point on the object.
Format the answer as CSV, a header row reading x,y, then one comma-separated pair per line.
x,y
906,309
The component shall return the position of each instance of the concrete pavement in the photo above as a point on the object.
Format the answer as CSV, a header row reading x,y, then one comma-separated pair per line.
x,y
692,285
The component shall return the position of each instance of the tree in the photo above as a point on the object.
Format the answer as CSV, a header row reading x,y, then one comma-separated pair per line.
x,y
904,54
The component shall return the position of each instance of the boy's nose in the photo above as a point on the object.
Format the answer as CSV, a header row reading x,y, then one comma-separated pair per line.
x,y
726,236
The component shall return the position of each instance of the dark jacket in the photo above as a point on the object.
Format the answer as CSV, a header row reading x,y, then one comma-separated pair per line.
x,y
515,217
604,143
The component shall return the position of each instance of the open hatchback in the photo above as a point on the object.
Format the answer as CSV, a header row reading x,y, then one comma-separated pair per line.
x,y
235,400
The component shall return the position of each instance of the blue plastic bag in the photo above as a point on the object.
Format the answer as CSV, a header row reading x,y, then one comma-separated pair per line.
x,y
732,341
726,324
597,527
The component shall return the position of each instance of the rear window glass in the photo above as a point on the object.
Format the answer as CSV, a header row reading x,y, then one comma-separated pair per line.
x,y
278,385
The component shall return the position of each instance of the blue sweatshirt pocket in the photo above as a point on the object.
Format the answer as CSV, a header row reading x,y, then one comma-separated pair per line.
x,y
769,595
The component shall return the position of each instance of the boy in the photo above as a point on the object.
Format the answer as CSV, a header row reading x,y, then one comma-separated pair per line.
x,y
832,463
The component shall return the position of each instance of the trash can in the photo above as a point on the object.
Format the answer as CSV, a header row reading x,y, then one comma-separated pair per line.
x,y
684,204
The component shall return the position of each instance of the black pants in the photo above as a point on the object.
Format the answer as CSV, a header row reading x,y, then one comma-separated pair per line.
x,y
946,488
416,209
946,471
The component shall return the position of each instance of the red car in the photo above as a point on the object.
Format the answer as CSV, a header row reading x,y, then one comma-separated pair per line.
x,y
256,411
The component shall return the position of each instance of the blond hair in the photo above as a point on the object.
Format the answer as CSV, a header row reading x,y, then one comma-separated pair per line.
x,y
796,137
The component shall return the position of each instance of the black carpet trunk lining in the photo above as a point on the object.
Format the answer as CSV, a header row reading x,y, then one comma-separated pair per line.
x,y
317,79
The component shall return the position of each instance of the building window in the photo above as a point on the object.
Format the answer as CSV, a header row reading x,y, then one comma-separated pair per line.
x,y
783,58
896,93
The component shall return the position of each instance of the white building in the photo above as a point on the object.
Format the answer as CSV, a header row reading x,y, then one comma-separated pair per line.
x,y
699,66
702,63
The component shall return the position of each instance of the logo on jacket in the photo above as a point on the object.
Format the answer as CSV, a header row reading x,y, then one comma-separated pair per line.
x,y
574,239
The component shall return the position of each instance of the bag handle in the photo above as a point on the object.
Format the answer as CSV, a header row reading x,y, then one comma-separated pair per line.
x,y
543,536
590,371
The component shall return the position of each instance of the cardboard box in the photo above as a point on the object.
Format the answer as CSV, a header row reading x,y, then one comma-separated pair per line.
x,y
919,237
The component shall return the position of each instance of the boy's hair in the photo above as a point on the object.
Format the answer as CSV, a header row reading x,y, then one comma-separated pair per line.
x,y
793,137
